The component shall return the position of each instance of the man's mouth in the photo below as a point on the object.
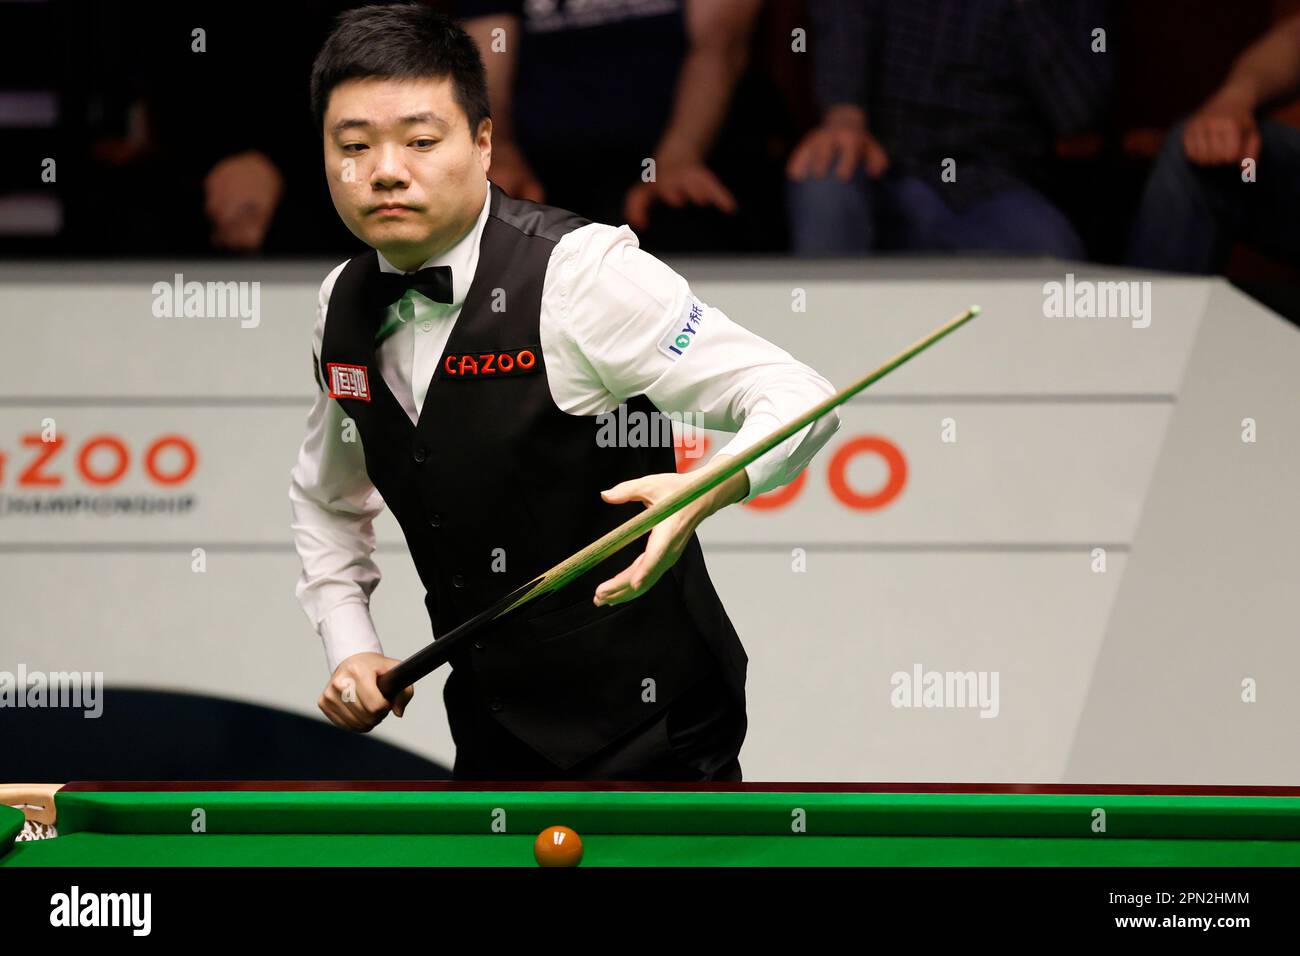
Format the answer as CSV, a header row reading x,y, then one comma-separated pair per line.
x,y
392,207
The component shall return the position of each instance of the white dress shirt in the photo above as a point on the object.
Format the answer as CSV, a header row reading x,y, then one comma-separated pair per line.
x,y
609,316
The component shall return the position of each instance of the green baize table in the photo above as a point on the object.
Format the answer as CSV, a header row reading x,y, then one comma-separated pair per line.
x,y
345,823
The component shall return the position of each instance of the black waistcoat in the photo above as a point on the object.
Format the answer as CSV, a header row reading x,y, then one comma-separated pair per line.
x,y
494,476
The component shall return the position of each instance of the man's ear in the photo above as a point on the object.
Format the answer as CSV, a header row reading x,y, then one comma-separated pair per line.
x,y
484,141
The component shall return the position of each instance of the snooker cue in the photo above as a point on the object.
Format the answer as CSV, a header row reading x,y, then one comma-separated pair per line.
x,y
425,661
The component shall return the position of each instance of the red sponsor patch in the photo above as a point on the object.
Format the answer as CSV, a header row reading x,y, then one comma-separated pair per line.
x,y
348,381
490,364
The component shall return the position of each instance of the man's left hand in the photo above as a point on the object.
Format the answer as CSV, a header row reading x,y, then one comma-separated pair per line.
x,y
669,538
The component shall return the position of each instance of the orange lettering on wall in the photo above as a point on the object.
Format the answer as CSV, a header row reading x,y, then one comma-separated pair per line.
x,y
868,444
90,447
176,477
31,476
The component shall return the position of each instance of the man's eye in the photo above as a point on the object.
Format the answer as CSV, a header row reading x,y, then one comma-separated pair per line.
x,y
424,142
353,147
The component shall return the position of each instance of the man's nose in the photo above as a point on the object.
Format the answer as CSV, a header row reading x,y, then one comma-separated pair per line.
x,y
390,167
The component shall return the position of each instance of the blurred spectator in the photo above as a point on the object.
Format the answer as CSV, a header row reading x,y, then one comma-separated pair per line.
x,y
583,94
200,138
904,87
1200,198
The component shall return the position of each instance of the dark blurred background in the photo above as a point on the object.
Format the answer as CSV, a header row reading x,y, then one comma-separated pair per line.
x,y
122,141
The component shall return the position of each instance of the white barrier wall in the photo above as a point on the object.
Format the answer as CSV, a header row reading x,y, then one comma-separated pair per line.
x,y
952,525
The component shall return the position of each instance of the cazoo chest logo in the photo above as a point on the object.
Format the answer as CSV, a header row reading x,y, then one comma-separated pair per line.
x,y
53,473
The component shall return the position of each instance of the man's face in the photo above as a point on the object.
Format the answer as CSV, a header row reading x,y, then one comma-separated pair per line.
x,y
404,172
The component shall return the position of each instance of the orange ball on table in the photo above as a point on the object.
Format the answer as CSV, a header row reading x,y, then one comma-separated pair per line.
x,y
558,846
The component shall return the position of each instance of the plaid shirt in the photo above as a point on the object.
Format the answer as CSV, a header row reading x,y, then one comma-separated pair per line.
x,y
989,83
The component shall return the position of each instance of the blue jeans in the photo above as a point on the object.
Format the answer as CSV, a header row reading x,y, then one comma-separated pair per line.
x,y
1190,216
833,217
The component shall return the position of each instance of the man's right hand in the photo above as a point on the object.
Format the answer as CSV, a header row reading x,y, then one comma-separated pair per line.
x,y
352,700
842,139
511,172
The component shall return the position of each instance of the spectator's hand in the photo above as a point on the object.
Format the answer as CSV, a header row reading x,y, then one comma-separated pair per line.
x,y
842,139
241,194
511,172
352,700
677,183
1223,131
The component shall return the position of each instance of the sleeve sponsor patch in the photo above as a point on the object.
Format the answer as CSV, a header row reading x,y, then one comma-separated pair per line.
x,y
684,331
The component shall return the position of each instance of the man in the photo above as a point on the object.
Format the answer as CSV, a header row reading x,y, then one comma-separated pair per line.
x,y
938,122
1198,202
157,66
473,353
661,76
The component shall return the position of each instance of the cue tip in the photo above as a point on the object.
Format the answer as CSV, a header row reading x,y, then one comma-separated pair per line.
x,y
974,310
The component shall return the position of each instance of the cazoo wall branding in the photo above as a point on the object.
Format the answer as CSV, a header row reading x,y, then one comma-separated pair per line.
x,y
99,474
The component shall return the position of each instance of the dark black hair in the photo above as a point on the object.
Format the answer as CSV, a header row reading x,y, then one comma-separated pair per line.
x,y
404,41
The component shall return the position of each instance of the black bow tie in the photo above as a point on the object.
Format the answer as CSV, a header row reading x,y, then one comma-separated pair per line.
x,y
433,283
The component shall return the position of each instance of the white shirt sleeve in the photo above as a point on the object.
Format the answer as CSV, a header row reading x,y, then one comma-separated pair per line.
x,y
334,505
622,323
